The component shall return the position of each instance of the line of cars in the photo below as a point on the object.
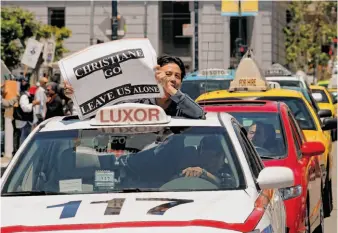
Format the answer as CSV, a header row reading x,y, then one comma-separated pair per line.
x,y
293,131
253,166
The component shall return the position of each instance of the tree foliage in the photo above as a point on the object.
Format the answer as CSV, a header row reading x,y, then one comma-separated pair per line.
x,y
312,25
17,25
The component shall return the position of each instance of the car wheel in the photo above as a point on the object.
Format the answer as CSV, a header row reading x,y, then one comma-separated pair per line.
x,y
327,194
320,228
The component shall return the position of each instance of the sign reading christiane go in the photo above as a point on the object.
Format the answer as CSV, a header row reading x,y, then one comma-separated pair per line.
x,y
111,72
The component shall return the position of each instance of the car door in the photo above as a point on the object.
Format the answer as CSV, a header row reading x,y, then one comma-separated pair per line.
x,y
276,209
310,171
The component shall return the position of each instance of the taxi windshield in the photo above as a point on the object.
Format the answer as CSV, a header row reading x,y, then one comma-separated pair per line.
x,y
195,88
325,99
288,83
118,160
265,132
296,105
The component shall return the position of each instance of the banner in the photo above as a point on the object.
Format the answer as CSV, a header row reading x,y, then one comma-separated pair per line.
x,y
48,51
231,7
32,53
111,72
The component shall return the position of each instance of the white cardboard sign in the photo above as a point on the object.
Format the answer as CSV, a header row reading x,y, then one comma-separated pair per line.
x,y
48,51
108,73
32,53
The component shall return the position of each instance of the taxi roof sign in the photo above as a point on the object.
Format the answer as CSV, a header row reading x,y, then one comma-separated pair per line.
x,y
277,70
249,76
213,72
131,114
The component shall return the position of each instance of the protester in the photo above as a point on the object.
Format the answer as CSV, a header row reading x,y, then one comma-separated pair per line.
x,y
24,114
6,122
40,95
54,102
170,72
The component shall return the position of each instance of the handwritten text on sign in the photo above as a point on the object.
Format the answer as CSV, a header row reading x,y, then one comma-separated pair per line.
x,y
250,82
110,65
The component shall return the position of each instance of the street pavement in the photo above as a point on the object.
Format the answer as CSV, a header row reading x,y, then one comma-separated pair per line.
x,y
330,223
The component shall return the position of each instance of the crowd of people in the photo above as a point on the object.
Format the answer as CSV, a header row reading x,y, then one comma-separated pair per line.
x,y
31,106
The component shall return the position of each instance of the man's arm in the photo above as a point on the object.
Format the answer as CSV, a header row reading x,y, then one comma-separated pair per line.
x,y
188,107
8,103
25,105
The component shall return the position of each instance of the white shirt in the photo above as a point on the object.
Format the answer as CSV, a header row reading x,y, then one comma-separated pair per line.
x,y
42,107
26,107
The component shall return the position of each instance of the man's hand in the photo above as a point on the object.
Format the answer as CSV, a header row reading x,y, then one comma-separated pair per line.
x,y
68,90
192,172
36,102
164,81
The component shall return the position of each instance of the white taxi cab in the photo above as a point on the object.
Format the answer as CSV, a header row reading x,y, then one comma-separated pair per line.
x,y
132,168
278,73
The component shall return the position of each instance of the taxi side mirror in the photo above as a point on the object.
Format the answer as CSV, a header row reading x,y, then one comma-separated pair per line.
x,y
329,124
275,178
312,148
324,113
334,100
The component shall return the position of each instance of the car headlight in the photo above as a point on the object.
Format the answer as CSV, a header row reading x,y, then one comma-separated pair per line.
x,y
291,192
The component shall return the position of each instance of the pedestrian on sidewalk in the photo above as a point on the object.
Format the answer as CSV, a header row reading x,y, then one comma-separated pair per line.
x,y
23,114
54,102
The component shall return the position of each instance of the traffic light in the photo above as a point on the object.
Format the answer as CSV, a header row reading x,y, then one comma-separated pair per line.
x,y
241,48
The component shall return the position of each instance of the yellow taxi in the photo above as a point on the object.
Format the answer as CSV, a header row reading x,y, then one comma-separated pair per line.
x,y
250,84
324,99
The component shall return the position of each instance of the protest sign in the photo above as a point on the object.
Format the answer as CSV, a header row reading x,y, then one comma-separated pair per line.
x,y
48,50
32,53
108,73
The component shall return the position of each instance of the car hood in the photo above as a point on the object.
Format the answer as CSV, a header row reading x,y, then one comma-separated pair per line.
x,y
324,106
312,135
197,212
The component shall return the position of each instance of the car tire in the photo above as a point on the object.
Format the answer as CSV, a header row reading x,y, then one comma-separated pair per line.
x,y
320,228
327,194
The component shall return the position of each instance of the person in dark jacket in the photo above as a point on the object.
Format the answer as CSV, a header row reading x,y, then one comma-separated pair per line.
x,y
54,102
170,72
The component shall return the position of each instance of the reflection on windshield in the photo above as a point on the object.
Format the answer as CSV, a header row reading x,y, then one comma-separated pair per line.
x,y
93,160
265,132
322,93
296,105
287,83
198,87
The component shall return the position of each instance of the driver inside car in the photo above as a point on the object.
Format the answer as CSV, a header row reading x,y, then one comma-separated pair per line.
x,y
211,161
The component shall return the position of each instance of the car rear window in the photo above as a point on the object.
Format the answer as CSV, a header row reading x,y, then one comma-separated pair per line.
x,y
325,99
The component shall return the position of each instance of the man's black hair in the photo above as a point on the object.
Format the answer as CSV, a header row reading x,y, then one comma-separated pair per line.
x,y
164,60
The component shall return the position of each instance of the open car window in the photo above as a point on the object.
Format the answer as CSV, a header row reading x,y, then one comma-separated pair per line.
x,y
99,160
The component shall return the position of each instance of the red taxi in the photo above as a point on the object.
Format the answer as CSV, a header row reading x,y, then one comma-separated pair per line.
x,y
279,141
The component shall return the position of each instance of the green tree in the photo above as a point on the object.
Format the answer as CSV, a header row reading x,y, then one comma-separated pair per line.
x,y
312,25
17,25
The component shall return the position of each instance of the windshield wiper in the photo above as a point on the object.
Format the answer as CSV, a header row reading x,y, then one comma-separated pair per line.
x,y
268,157
33,193
138,190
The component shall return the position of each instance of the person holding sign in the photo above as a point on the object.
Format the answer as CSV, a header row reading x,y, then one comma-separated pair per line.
x,y
170,72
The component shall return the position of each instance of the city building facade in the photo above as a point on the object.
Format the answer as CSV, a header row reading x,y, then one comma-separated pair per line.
x,y
169,25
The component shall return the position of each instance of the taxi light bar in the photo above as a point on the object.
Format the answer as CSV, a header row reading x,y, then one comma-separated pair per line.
x,y
249,76
213,72
277,70
131,114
